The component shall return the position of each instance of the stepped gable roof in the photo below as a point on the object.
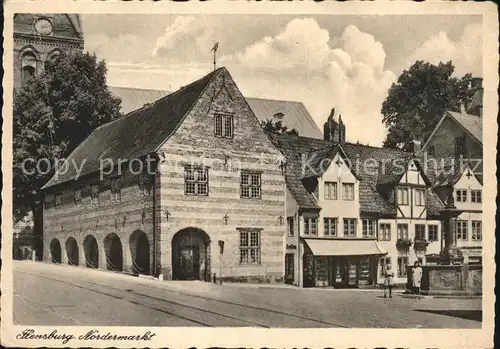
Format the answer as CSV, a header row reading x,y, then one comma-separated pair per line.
x,y
295,115
136,134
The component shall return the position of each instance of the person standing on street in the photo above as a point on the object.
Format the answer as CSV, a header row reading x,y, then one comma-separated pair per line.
x,y
389,281
417,278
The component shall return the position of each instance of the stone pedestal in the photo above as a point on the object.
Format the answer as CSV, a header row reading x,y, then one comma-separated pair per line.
x,y
450,279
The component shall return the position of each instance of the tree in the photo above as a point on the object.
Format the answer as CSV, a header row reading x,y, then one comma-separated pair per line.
x,y
53,113
416,103
275,124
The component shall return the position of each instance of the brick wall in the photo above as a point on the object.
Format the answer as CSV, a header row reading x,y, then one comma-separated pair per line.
x,y
133,213
249,149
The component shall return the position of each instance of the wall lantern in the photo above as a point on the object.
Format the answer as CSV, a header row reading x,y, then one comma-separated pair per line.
x,y
225,218
167,214
281,220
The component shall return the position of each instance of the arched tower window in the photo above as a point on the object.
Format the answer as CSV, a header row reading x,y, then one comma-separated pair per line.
x,y
28,66
53,55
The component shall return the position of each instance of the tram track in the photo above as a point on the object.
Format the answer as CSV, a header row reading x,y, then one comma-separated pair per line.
x,y
245,322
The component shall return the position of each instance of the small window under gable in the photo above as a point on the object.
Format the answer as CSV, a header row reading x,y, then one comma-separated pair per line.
x,y
224,125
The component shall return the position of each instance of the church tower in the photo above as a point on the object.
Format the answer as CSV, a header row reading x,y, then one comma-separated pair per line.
x,y
38,37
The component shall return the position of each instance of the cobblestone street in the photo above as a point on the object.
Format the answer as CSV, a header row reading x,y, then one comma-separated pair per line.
x,y
47,294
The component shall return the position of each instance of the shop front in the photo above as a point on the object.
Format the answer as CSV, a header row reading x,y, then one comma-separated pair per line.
x,y
340,263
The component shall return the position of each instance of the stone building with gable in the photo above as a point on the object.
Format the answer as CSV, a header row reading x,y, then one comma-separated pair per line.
x,y
217,179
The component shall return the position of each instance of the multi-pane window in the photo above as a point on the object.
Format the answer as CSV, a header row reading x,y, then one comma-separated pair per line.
x,y
310,226
349,227
224,126
59,199
461,230
331,190
290,226
433,232
475,196
477,234
330,225
420,197
249,247
459,146
402,265
461,195
402,231
347,191
368,228
402,196
78,196
419,231
250,185
385,232
94,194
116,190
145,184
195,180
384,262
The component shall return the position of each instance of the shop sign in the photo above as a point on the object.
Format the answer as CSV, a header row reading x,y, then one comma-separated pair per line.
x,y
291,247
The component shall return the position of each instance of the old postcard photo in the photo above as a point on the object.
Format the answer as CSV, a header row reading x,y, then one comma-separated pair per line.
x,y
247,174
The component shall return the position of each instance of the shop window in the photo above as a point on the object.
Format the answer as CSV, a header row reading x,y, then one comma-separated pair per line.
x,y
402,266
195,181
310,226
433,232
477,234
419,231
461,230
385,232
331,190
350,227
289,266
368,228
330,226
475,196
250,185
249,247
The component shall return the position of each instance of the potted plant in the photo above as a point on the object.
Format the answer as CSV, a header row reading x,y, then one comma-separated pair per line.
x,y
403,244
420,245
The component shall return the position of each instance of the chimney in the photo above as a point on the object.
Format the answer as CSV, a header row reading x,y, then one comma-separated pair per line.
x,y
415,147
330,127
341,139
476,83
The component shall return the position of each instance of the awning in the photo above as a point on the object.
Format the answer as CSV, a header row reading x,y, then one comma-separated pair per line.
x,y
324,247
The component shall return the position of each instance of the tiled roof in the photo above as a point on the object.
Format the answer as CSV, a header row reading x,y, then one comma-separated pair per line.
x,y
365,161
295,115
131,136
477,101
471,123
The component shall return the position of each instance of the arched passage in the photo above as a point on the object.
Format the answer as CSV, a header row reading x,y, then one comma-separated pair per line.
x,y
91,251
191,255
114,252
139,250
55,251
72,251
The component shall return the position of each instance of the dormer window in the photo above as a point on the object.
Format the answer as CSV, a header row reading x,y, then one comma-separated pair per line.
x,y
461,195
347,191
475,196
420,197
224,125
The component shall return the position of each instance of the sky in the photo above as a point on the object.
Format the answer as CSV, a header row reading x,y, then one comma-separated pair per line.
x,y
346,62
